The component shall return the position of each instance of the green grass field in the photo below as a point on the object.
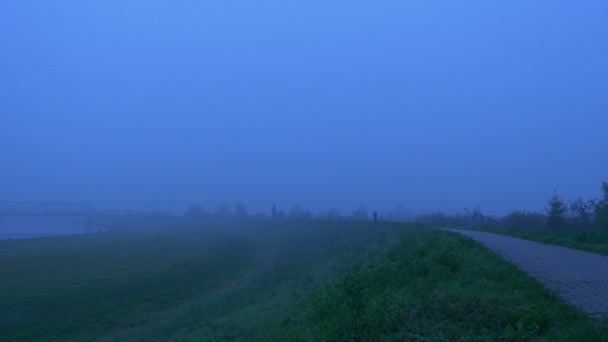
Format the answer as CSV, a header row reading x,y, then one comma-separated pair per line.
x,y
274,281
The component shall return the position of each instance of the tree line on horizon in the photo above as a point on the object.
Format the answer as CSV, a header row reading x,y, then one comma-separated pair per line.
x,y
558,215
239,210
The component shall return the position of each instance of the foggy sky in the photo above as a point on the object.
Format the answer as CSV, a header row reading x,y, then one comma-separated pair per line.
x,y
430,104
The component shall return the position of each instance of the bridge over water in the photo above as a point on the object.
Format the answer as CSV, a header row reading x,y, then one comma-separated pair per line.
x,y
83,209
70,209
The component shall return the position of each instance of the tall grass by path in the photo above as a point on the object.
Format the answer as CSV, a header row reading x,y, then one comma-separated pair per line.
x,y
591,240
429,286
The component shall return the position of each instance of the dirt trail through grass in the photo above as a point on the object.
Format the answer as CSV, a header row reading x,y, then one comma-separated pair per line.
x,y
264,263
578,277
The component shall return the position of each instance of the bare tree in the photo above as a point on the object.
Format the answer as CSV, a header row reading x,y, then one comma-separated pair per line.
x,y
581,213
526,220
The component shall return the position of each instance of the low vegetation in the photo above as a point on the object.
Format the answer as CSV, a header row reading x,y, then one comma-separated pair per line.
x,y
589,240
441,287
277,280
581,224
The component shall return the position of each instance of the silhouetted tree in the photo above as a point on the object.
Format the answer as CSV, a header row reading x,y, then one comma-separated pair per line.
x,y
601,209
196,210
240,210
526,220
556,213
274,211
223,210
399,213
473,217
297,212
360,214
581,213
334,214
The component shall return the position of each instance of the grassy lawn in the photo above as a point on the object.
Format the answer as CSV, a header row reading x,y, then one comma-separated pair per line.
x,y
275,280
79,287
588,240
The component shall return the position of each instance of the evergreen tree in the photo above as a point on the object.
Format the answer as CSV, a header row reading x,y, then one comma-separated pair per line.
x,y
556,213
274,212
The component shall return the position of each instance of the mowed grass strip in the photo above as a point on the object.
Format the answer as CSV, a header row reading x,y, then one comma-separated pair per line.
x,y
81,287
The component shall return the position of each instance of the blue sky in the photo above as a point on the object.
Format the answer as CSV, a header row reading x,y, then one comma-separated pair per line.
x,y
436,105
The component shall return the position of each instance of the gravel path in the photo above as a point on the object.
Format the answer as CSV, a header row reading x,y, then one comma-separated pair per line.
x,y
578,277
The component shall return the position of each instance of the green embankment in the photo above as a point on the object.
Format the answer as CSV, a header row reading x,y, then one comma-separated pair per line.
x,y
275,280
80,287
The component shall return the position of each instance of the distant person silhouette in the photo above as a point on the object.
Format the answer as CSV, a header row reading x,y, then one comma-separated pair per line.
x,y
375,216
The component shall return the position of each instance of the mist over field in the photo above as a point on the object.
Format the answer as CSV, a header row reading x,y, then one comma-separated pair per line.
x,y
442,106
303,170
